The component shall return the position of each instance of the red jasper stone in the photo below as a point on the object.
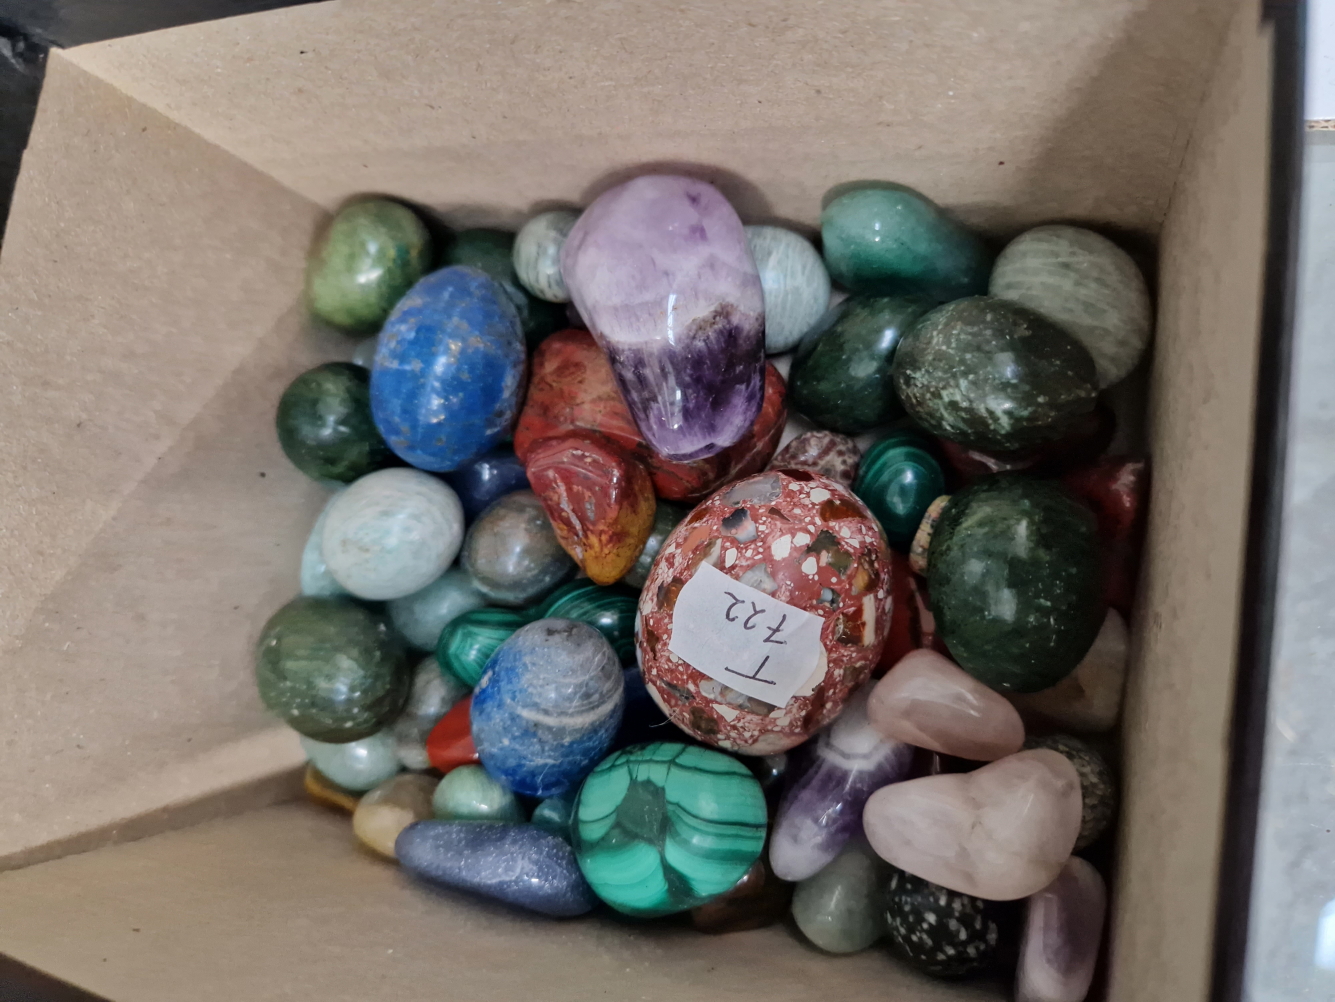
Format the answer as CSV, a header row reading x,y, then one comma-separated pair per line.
x,y
1086,442
912,625
1118,489
450,743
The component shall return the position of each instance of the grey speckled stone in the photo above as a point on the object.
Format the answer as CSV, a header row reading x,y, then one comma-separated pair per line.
x,y
537,254
942,932
795,283
1098,785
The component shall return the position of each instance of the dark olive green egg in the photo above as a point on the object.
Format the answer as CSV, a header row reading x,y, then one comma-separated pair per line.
x,y
325,425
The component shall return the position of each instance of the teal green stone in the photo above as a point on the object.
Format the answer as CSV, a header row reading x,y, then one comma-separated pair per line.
x,y
1013,570
898,479
554,814
355,765
888,240
331,669
470,639
468,793
492,251
841,374
325,425
666,517
665,827
372,253
609,610
994,375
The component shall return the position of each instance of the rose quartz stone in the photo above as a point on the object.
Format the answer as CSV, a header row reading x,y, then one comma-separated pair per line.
x,y
1063,928
1088,700
1002,832
929,701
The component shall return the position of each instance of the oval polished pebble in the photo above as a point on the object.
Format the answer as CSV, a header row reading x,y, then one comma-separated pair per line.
x,y
1098,786
758,900
825,452
1084,283
554,814
449,370
610,611
513,553
372,253
667,516
1117,489
469,641
468,793
492,251
898,480
1063,930
325,427
1089,700
665,827
450,743
889,240
929,702
841,374
330,669
794,281
991,374
316,581
391,807
939,931
421,616
537,254
516,864
841,907
486,479
432,694
355,765
547,707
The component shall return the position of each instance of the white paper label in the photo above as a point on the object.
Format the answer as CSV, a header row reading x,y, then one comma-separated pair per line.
x,y
744,638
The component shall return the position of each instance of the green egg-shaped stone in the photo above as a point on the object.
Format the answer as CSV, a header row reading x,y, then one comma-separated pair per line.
x,y
662,828
372,253
325,425
841,373
468,793
331,669
469,640
666,518
897,480
492,251
609,610
1013,573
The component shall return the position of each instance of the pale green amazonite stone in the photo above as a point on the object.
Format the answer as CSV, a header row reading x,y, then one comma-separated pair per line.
x,y
537,254
421,616
316,580
839,908
355,765
469,794
794,281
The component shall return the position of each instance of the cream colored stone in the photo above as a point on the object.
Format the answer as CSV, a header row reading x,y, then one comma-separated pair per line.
x,y
1089,700
391,807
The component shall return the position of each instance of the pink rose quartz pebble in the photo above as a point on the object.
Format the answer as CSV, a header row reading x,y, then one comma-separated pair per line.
x,y
1000,833
928,701
1088,700
1063,928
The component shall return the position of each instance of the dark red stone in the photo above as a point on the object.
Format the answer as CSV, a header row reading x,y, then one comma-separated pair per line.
x,y
757,900
1117,489
450,743
911,623
1091,436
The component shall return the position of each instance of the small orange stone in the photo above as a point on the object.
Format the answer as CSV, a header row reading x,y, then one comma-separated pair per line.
x,y
325,791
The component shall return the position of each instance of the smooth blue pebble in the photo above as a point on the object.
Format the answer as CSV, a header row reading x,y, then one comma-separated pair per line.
x,y
490,476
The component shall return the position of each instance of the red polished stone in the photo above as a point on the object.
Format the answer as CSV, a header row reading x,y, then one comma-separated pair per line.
x,y
912,625
1118,489
450,743
1085,443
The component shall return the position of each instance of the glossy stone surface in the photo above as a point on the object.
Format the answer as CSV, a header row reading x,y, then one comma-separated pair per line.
x,y
330,669
759,899
1117,489
372,253
468,793
1089,700
391,807
665,827
554,815
899,478
889,240
822,810
469,641
660,269
517,864
572,387
806,541
325,427
939,931
316,581
512,552
431,696
449,370
354,765
666,518
327,793
1013,571
492,251
841,908
421,616
1085,284
825,452
1088,439
547,707
794,281
486,479
928,701
841,375
1063,929
1098,785
1000,833
450,743
991,374
610,611
537,254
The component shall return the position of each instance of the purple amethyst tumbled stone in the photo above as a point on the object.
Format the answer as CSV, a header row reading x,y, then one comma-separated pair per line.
x,y
660,270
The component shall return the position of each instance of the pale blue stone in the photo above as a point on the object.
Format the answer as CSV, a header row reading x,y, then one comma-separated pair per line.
x,y
421,616
795,283
355,765
316,580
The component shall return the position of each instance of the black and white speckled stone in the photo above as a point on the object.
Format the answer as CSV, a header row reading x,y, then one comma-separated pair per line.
x,y
1098,785
941,932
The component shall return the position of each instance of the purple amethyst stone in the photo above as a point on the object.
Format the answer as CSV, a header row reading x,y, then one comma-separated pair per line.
x,y
660,270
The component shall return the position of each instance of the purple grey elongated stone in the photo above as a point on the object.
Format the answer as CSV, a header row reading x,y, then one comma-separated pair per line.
x,y
1063,928
660,270
824,807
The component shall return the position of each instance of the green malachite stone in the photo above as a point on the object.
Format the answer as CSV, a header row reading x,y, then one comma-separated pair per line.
x,y
330,669
888,240
325,425
609,610
991,374
666,517
897,480
1013,573
372,253
665,827
841,374
492,251
469,640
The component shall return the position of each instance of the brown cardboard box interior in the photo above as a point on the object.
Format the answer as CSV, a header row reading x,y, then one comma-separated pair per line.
x,y
150,280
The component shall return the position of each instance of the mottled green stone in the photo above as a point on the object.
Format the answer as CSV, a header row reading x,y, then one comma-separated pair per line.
x,y
889,240
991,374
372,253
492,251
469,640
1098,785
666,517
331,669
841,374
469,794
325,425
898,479
1013,573
841,907
665,827
609,610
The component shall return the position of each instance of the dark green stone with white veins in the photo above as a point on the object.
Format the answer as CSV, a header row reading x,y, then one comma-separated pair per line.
x,y
1098,786
1013,573
325,425
941,932
991,374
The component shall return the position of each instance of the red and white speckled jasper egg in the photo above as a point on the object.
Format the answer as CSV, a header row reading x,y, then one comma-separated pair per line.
x,y
803,539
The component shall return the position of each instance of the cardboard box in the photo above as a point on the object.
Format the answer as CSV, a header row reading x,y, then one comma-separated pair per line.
x,y
150,284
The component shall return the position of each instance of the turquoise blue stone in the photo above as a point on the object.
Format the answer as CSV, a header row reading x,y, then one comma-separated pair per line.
x,y
898,479
487,478
449,370
421,616
608,609
355,765
554,815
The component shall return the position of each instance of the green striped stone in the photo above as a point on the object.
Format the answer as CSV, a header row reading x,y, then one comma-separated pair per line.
x,y
469,640
666,827
898,479
609,610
